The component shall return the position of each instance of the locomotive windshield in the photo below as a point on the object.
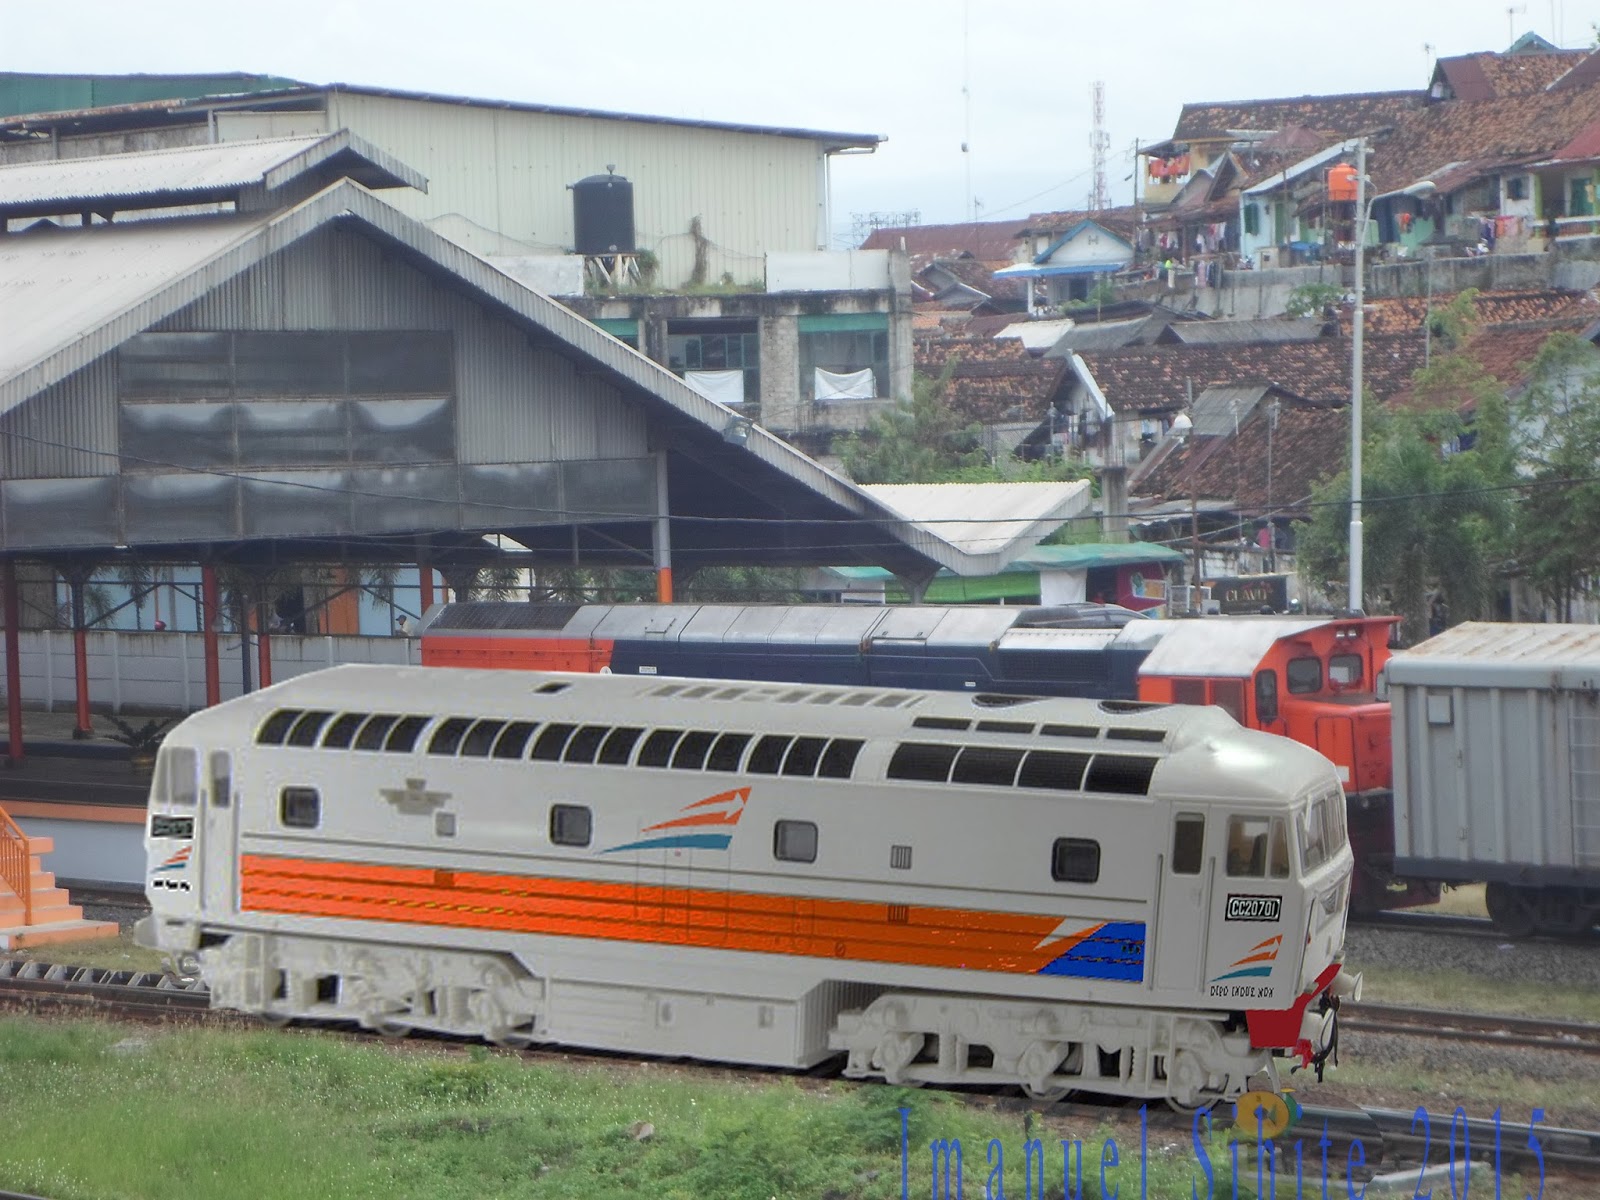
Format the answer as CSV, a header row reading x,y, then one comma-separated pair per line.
x,y
1322,831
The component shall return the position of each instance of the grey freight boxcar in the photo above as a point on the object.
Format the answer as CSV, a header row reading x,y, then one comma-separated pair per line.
x,y
1497,769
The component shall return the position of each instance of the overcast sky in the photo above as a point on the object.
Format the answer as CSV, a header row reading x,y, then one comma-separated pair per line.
x,y
889,67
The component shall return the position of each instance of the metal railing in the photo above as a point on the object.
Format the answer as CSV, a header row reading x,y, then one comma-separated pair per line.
x,y
15,863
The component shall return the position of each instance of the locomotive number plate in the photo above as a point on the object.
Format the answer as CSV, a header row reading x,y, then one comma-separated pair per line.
x,y
1254,908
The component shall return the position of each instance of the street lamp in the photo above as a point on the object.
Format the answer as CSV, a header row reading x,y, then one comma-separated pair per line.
x,y
1363,217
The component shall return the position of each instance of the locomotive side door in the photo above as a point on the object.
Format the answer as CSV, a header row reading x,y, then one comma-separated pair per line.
x,y
1183,911
218,838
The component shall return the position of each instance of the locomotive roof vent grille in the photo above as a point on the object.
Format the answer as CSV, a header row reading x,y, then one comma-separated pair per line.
x,y
787,695
1136,735
489,614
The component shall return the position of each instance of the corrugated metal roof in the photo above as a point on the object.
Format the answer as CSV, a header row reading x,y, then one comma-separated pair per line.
x,y
191,174
1487,654
1219,411
1094,554
995,520
1211,333
70,296
1294,171
832,140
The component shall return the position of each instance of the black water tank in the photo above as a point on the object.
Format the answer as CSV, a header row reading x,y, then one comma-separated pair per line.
x,y
602,215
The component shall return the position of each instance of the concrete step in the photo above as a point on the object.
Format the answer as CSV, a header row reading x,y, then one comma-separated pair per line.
x,y
43,907
70,930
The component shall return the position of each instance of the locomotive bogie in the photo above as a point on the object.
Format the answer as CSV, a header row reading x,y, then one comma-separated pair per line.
x,y
1056,893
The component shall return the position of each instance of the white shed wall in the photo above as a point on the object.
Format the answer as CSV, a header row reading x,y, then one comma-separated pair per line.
x,y
508,172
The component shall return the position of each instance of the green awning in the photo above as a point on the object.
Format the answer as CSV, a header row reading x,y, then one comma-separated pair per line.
x,y
625,328
844,323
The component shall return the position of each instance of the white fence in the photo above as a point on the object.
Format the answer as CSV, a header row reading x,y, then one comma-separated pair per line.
x,y
165,672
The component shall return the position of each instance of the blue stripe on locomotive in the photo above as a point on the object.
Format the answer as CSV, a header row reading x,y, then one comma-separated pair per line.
x,y
1110,673
1114,951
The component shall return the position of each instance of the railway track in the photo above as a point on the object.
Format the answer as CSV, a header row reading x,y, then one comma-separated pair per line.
x,y
1483,927
1391,1140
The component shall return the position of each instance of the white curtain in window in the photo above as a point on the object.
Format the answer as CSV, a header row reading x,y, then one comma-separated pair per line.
x,y
852,385
725,387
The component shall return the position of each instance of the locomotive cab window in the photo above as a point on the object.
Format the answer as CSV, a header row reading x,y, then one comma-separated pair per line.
x,y
1345,670
794,841
300,807
1188,843
276,727
1075,860
571,825
1305,675
1254,844
182,766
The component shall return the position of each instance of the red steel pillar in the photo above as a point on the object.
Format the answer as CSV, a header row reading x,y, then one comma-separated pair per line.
x,y
263,647
13,663
210,619
80,653
425,578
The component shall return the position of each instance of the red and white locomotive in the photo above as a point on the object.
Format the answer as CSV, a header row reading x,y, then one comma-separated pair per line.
x,y
1126,898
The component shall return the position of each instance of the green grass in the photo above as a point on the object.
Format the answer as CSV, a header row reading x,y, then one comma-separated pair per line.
x,y
1463,992
113,953
100,1110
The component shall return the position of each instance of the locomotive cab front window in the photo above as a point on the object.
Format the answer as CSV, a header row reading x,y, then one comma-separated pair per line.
x,y
1344,671
1305,676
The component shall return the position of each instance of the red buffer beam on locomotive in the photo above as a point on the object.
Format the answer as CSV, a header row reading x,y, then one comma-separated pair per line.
x,y
1310,679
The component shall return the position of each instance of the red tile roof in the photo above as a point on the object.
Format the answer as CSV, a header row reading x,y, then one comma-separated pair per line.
x,y
994,381
1120,221
1400,314
986,241
1357,112
1486,75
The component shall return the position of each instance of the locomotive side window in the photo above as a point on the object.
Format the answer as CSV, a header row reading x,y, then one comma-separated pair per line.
x,y
1345,670
306,728
839,759
448,736
300,807
375,730
1075,860
794,841
923,762
182,788
657,748
402,738
1060,770
1188,843
551,741
343,731
480,738
1188,691
1122,774
727,752
513,739
692,749
1247,847
276,727
994,766
1228,695
1266,695
1305,675
221,779
571,825
585,744
618,746
767,757
804,755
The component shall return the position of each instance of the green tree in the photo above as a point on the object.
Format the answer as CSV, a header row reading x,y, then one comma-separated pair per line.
x,y
1433,513
920,440
1309,299
1557,447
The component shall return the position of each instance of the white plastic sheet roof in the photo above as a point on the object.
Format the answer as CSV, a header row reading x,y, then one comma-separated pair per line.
x,y
1001,520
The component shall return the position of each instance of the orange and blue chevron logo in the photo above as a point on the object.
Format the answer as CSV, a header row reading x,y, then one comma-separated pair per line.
x,y
1265,953
178,861
693,828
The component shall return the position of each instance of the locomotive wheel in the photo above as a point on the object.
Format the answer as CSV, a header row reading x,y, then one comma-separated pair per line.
x,y
1510,909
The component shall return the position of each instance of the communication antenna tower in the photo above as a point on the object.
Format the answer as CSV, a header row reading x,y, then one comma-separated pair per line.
x,y
1099,143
